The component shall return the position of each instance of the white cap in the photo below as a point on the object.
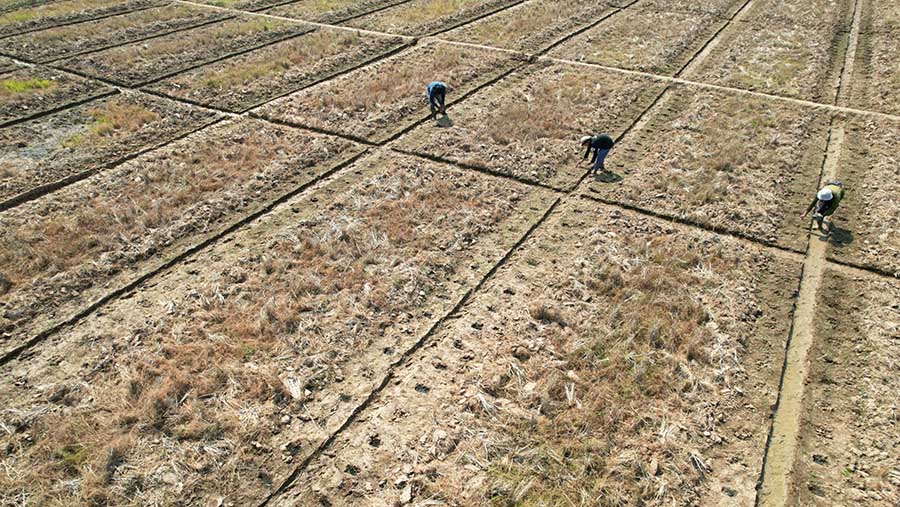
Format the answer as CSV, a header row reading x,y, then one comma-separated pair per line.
x,y
825,194
585,139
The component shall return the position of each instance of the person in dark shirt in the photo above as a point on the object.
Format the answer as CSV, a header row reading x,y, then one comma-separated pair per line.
x,y
600,145
437,93
825,203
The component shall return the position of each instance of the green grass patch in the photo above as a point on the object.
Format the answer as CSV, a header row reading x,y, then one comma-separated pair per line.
x,y
10,86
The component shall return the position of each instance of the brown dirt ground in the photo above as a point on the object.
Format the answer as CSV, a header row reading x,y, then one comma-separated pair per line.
x,y
239,83
615,360
779,57
136,63
876,83
848,451
720,8
423,17
11,5
807,12
531,26
64,250
63,41
65,11
644,40
7,64
221,376
528,125
246,5
881,16
730,162
62,89
866,230
48,149
333,11
380,100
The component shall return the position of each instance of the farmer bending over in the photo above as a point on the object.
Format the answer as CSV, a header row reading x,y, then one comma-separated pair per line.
x,y
601,145
437,92
825,203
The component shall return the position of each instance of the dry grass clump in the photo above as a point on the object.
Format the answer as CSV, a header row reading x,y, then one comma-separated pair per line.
x,y
203,385
112,122
148,204
54,10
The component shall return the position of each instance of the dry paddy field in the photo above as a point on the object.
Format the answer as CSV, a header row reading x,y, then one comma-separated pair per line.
x,y
242,265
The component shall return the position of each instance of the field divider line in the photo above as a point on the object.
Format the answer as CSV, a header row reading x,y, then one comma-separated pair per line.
x,y
295,20
713,42
69,105
176,259
841,97
266,7
140,39
476,19
562,40
408,354
82,20
87,19
321,79
41,190
366,13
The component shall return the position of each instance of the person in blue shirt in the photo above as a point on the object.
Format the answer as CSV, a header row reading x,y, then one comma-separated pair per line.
x,y
437,93
600,145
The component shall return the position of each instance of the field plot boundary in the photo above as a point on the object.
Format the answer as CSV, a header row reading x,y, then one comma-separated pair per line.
x,y
341,20
82,20
323,78
455,25
209,240
62,107
169,74
131,41
46,188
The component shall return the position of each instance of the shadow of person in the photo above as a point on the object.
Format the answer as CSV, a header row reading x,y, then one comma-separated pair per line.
x,y
444,121
840,237
607,177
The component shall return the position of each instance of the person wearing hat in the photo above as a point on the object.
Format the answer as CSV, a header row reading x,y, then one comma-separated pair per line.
x,y
437,93
825,203
601,145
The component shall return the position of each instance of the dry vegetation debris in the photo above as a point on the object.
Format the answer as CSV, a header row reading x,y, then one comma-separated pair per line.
x,y
726,161
851,420
32,90
329,11
53,43
65,11
60,251
225,373
47,149
238,83
614,360
423,17
876,83
379,100
528,125
530,26
138,62
645,40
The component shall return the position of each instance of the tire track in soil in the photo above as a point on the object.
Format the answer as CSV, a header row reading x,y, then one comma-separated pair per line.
x,y
409,354
775,487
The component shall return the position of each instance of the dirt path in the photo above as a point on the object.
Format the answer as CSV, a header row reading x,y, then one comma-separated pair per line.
x,y
777,478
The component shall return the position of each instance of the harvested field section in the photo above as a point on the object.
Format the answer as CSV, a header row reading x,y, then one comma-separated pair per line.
x,y
329,11
866,230
734,163
137,63
876,83
530,26
614,360
7,64
69,248
239,83
380,100
66,11
806,12
424,17
528,125
645,40
246,5
11,5
848,451
33,90
64,144
68,40
219,378
779,57
881,16
719,8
